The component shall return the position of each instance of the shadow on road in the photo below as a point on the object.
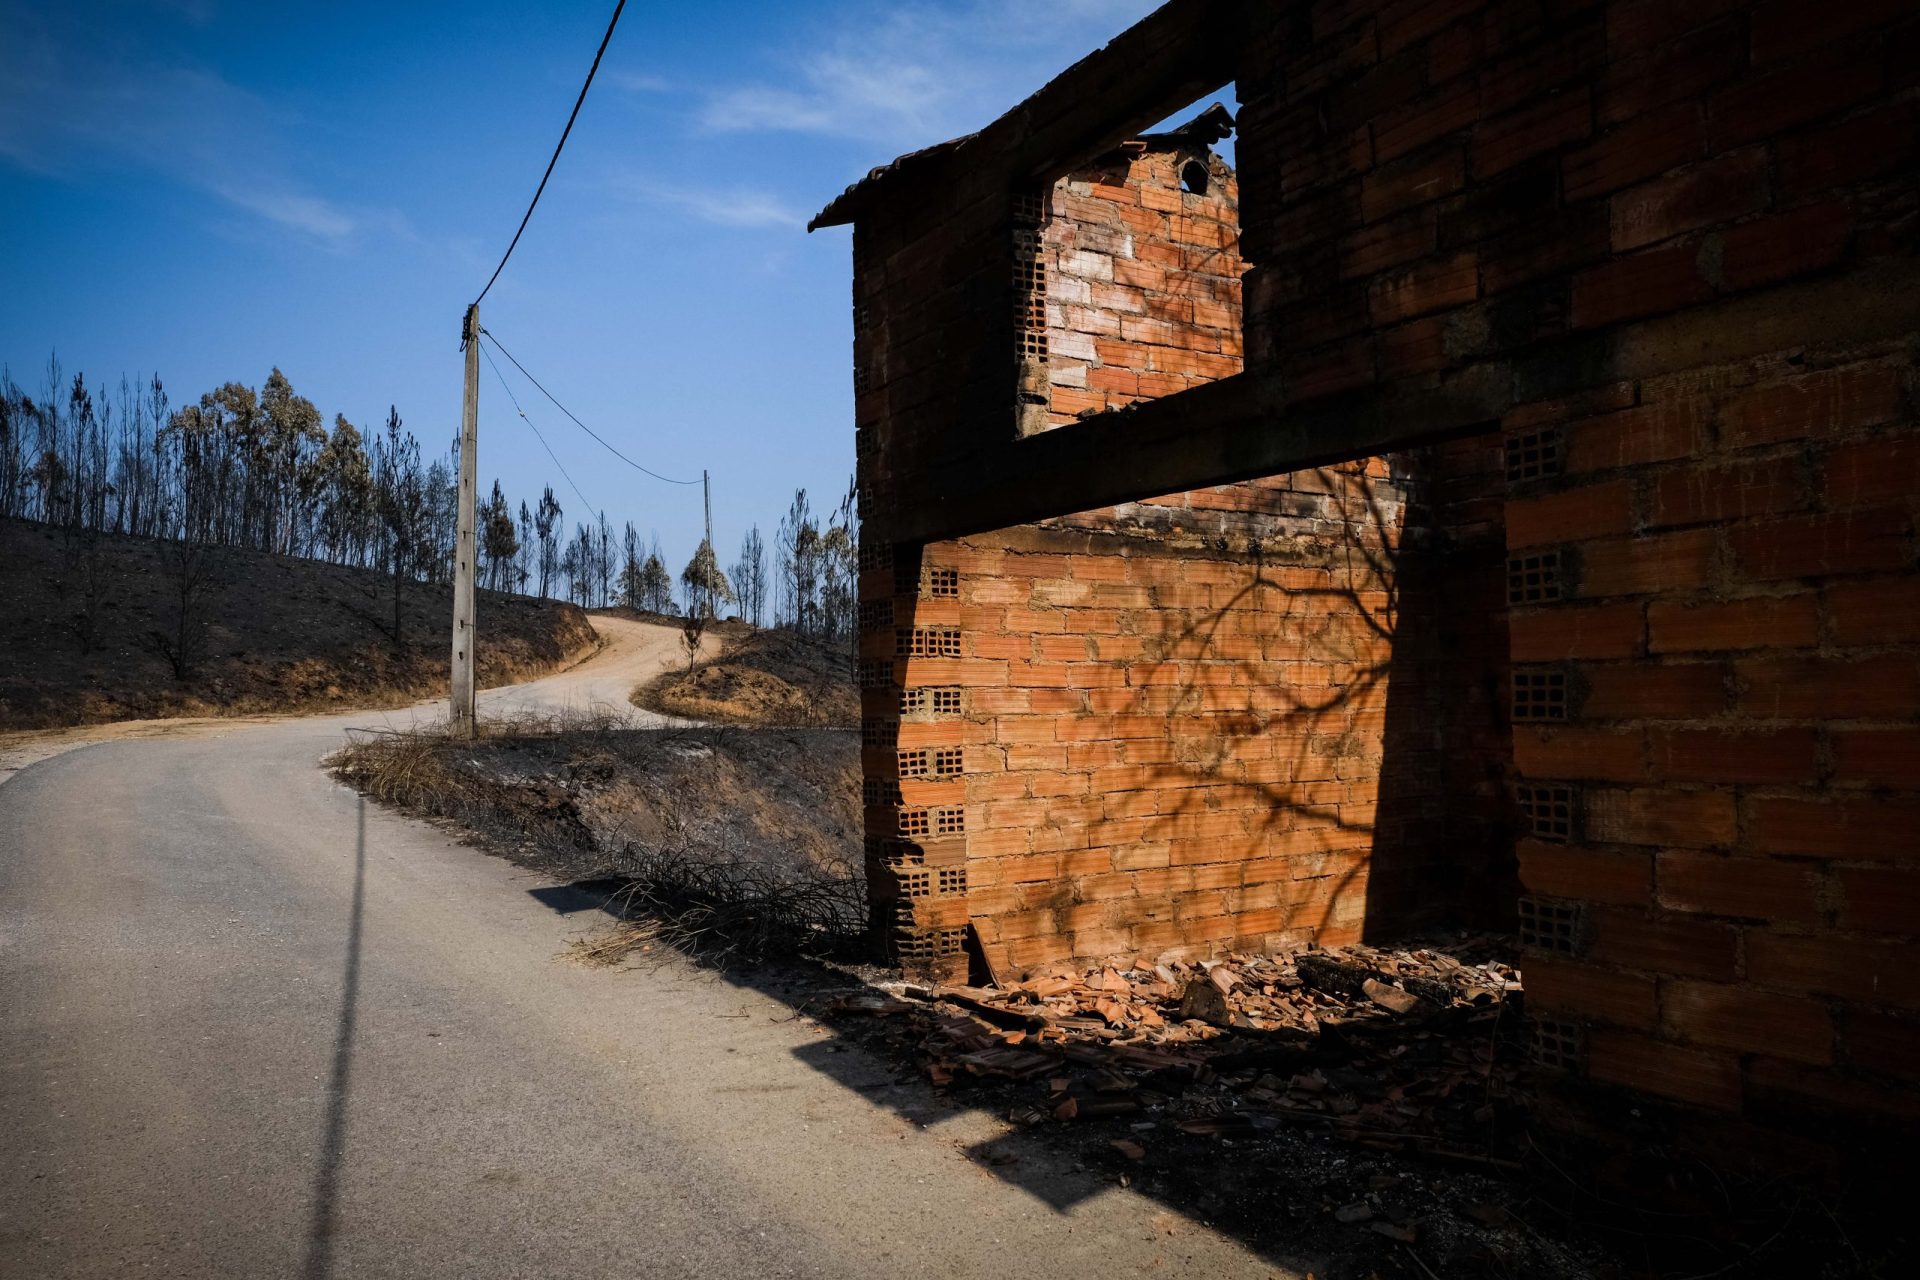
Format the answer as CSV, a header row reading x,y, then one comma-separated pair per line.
x,y
326,1180
581,895
1059,1167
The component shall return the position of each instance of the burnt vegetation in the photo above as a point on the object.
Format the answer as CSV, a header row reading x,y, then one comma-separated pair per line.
x,y
735,847
187,628
771,677
259,469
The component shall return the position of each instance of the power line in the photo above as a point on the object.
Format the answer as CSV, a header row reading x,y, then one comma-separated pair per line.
x,y
536,433
576,421
572,116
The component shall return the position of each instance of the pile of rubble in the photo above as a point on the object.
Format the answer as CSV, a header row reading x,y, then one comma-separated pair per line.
x,y
1414,1049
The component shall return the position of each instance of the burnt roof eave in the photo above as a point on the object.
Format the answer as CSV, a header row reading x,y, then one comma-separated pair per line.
x,y
846,206
1205,129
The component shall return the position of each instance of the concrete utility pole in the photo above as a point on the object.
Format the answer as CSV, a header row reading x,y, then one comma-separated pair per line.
x,y
460,704
706,503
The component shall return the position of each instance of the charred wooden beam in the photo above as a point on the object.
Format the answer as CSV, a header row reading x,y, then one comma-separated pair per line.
x,y
1232,430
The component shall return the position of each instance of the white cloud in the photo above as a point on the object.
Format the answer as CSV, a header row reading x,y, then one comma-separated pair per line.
x,y
640,82
911,75
741,207
70,108
309,215
840,96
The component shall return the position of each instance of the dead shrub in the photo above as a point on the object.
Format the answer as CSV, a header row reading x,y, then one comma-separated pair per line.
x,y
396,768
718,908
725,912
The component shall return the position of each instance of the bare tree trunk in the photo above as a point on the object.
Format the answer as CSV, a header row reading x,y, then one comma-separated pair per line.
x,y
192,567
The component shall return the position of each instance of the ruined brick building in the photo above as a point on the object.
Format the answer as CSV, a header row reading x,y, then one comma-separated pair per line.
x,y
1493,499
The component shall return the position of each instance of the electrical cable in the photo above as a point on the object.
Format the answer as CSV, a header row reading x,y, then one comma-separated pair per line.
x,y
574,115
536,433
576,421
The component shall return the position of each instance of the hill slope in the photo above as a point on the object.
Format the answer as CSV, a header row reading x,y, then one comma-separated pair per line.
x,y
282,634
770,677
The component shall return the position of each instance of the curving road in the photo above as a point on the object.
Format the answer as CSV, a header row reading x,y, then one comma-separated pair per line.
x,y
255,1027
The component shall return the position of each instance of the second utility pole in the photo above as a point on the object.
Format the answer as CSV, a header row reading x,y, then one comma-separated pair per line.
x,y
460,721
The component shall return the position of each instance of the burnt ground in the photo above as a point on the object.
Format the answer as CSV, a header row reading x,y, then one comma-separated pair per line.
x,y
284,635
769,677
1302,1115
598,802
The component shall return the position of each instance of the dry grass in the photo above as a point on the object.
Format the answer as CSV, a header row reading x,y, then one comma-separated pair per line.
x,y
428,772
729,912
764,678
731,846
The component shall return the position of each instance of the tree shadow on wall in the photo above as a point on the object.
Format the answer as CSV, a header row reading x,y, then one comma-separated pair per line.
x,y
1329,741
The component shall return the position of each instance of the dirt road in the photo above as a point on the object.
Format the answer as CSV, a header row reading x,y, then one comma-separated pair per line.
x,y
257,1027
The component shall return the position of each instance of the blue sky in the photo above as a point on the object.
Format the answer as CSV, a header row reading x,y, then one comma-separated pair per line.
x,y
208,189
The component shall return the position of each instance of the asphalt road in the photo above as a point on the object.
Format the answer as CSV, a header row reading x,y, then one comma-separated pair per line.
x,y
253,1026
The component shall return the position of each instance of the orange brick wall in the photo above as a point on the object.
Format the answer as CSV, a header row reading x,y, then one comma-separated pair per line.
x,y
1195,722
1143,283
1674,245
1186,750
1163,744
1737,645
1668,226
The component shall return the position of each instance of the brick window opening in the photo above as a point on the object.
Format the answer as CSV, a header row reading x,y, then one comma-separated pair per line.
x,y
1534,579
950,821
941,584
914,764
1540,695
914,884
927,642
876,615
946,702
880,792
1080,266
949,762
1548,809
1558,1044
876,675
875,555
914,822
879,733
1553,924
1533,455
